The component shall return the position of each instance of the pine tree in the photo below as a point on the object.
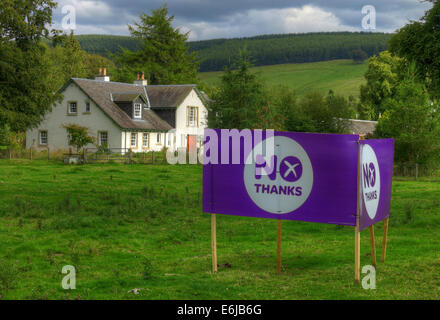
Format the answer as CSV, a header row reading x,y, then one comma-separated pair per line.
x,y
164,54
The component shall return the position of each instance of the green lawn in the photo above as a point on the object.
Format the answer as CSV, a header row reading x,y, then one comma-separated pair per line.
x,y
142,226
342,76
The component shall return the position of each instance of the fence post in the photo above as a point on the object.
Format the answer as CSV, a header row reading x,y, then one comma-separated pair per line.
x,y
85,155
152,157
31,152
417,170
130,157
48,154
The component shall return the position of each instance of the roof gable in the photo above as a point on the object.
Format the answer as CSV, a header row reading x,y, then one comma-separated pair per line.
x,y
170,96
102,93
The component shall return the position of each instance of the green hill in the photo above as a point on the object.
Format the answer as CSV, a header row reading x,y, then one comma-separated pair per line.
x,y
215,54
342,76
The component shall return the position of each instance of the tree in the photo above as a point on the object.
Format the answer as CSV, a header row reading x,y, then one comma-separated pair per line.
x,y
418,41
78,136
359,56
164,54
384,73
236,102
26,91
413,120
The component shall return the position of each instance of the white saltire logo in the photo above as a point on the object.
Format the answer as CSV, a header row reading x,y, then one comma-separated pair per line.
x,y
282,182
370,180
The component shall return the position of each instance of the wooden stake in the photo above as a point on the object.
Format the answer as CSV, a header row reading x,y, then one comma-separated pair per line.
x,y
357,233
357,253
373,248
279,247
214,243
384,239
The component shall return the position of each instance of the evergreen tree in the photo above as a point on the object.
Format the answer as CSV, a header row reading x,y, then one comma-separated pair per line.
x,y
236,102
163,55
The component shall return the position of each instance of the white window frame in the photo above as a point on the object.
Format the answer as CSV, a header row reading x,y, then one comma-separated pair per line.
x,y
137,113
70,107
145,140
41,136
192,116
101,133
133,135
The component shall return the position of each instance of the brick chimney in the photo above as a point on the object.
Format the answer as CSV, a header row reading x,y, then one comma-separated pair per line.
x,y
102,76
140,81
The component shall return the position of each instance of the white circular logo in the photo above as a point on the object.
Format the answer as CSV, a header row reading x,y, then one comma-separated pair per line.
x,y
281,183
370,180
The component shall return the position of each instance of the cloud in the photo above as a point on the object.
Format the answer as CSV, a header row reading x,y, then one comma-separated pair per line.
x,y
254,22
230,18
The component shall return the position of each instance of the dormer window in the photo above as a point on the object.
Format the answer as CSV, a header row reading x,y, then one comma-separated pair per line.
x,y
137,111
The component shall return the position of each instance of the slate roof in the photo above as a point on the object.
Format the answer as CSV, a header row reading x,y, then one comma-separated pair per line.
x,y
362,127
101,93
168,96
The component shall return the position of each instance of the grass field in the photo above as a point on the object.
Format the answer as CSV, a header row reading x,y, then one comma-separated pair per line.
x,y
142,226
342,76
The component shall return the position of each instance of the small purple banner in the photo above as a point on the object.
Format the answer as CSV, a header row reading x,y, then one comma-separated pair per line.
x,y
376,180
287,175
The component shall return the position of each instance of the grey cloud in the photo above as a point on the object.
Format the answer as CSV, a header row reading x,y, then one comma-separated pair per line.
x,y
111,15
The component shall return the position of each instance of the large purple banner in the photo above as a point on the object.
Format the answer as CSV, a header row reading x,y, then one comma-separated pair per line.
x,y
376,179
306,176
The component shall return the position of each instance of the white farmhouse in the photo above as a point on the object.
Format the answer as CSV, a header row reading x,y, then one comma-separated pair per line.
x,y
125,116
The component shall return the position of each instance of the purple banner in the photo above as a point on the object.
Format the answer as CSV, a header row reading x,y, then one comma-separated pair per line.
x,y
376,180
308,177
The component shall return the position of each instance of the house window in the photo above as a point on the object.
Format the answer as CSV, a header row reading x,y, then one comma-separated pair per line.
x,y
103,138
158,138
133,139
73,108
88,107
192,116
169,140
43,138
137,113
145,140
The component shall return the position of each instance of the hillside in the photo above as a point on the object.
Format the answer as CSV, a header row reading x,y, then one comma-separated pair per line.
x,y
342,76
266,50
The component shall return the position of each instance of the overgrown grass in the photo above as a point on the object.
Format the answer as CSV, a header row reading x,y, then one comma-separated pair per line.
x,y
141,226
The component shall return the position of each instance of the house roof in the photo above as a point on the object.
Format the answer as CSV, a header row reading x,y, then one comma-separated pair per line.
x,y
102,93
362,127
169,96
126,96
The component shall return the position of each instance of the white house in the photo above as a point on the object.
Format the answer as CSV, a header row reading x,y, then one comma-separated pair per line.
x,y
125,116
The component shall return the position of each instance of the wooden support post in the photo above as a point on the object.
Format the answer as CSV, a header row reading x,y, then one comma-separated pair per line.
x,y
279,247
152,157
373,248
357,253
214,243
384,239
48,154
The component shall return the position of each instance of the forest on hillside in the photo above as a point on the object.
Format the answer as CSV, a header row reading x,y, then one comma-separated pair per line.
x,y
215,55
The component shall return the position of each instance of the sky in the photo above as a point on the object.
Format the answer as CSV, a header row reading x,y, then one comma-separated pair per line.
x,y
210,19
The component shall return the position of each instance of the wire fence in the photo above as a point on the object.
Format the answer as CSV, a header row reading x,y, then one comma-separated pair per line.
x,y
415,170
